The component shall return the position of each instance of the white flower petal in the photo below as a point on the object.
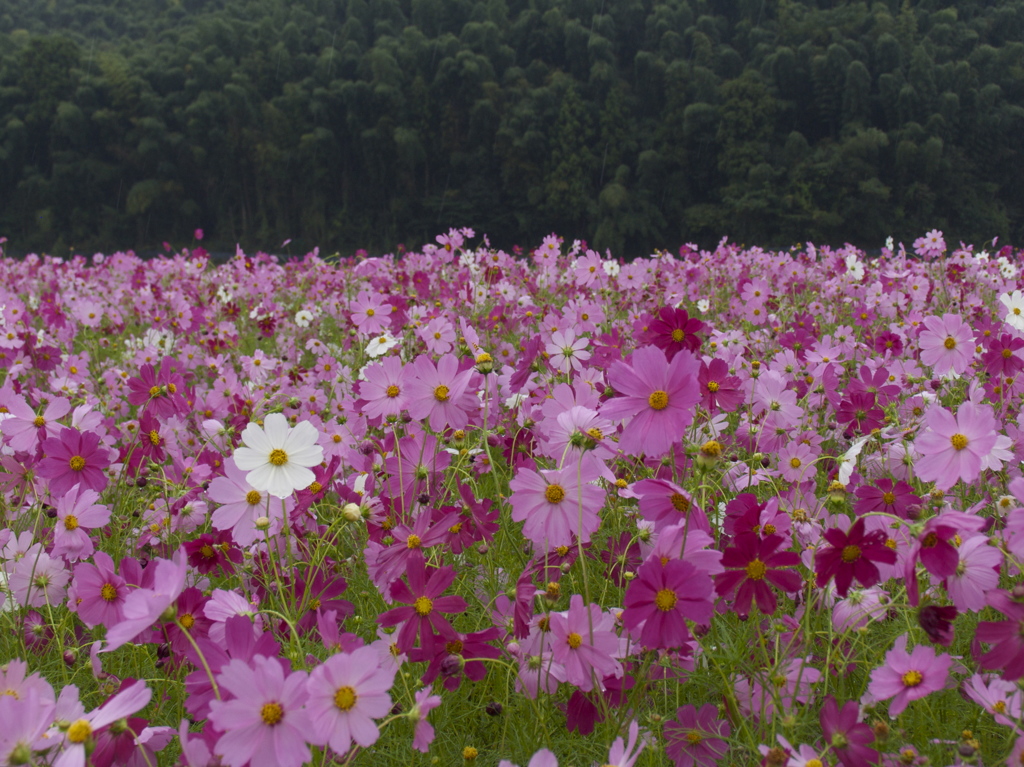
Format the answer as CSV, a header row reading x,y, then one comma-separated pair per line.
x,y
248,459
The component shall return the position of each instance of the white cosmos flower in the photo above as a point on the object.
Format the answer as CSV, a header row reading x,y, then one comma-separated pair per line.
x,y
277,457
1014,303
381,344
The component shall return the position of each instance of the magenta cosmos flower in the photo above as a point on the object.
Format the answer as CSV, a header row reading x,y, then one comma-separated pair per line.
x,y
696,737
74,458
1005,637
947,344
346,693
422,614
265,724
557,504
908,676
953,448
752,563
852,555
663,597
659,397
847,737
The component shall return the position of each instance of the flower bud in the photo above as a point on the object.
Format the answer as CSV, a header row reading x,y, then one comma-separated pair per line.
x,y
351,512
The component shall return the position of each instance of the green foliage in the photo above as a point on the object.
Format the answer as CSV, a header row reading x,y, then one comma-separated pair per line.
x,y
352,123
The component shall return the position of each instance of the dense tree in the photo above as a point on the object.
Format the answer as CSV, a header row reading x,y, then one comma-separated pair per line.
x,y
365,123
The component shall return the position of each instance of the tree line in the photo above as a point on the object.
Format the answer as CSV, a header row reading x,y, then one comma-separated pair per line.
x,y
632,124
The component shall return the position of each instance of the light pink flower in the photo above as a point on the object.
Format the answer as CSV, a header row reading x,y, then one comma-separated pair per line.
x,y
952,448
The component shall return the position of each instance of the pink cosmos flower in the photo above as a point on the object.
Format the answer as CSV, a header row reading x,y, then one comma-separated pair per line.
x,y
852,555
557,504
567,352
242,504
346,693
144,607
663,597
542,758
80,732
657,396
796,461
953,448
423,735
77,512
908,676
382,391
438,335
22,428
1005,637
38,580
74,458
947,344
264,724
26,718
665,503
975,575
695,738
718,389
97,592
440,394
1003,699
370,313
584,641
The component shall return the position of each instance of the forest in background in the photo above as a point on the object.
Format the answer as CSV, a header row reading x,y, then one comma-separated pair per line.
x,y
633,124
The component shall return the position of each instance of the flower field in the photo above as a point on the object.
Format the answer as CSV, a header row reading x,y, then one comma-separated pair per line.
x,y
466,507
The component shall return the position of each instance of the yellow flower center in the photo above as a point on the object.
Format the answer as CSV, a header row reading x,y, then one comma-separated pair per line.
x,y
665,600
423,606
712,386
70,522
912,678
77,463
658,400
1007,353
79,731
888,498
756,570
554,494
345,698
39,422
950,342
272,713
850,554
154,437
959,441
680,502
768,529
595,433
187,620
316,487
253,497
108,592
154,391
574,640
795,462
393,391
441,393
370,312
278,457
693,737
930,541
678,335
815,763
454,647
413,541
712,448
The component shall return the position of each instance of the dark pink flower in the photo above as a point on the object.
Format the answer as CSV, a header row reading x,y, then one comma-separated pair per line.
x,y
423,614
74,458
663,597
847,737
750,562
852,555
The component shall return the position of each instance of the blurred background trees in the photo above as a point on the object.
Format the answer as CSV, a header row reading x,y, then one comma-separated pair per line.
x,y
632,124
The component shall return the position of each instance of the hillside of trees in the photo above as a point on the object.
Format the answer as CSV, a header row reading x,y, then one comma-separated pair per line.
x,y
630,123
